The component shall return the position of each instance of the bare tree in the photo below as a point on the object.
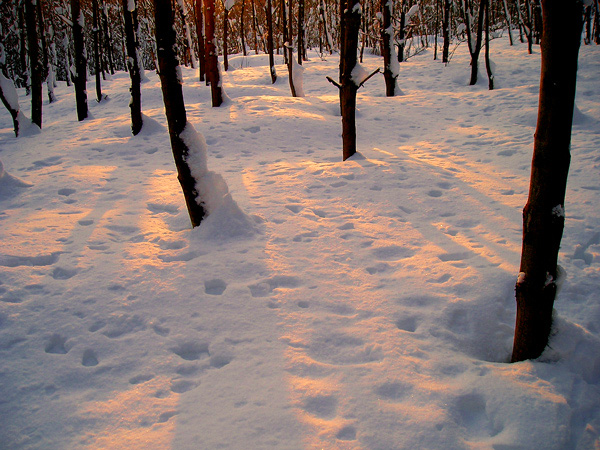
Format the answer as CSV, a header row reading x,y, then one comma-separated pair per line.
x,y
543,215
174,106
390,69
80,75
35,61
269,11
212,63
130,17
200,36
96,39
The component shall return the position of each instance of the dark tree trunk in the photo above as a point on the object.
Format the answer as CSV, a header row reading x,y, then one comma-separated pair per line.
x,y
243,27
200,35
107,39
597,22
96,49
488,65
35,62
212,63
543,215
446,31
80,75
529,26
132,39
475,48
350,24
174,105
508,21
254,28
225,39
269,11
301,32
322,12
402,36
284,31
12,109
387,41
24,81
47,64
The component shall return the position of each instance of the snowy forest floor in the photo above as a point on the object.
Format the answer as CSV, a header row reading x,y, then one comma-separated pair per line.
x,y
371,306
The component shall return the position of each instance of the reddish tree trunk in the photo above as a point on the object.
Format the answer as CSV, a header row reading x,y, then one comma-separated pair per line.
x,y
543,215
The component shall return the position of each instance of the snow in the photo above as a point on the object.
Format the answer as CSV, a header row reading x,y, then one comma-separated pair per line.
x,y
365,304
359,74
10,93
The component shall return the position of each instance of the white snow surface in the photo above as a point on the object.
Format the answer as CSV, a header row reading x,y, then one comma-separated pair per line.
x,y
10,92
370,306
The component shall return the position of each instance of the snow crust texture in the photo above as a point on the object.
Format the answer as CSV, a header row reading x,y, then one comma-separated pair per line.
x,y
366,304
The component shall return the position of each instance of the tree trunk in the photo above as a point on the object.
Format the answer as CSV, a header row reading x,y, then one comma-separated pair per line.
x,y
350,24
446,32
508,21
326,33
107,39
200,35
96,49
8,96
488,65
80,75
269,11
284,31
212,63
174,105
35,62
301,32
243,27
401,36
387,41
225,39
543,215
476,48
132,39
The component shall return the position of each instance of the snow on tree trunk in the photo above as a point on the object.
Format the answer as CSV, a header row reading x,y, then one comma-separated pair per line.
x,y
543,215
95,37
200,35
390,62
350,17
174,106
10,99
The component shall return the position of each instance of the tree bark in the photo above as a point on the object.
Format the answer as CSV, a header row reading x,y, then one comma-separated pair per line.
x,y
446,31
269,11
80,75
488,65
133,67
243,27
212,63
200,35
543,215
350,24
387,35
35,62
13,109
174,105
301,32
95,30
225,39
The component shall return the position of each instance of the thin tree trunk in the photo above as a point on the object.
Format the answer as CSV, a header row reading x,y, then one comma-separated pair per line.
x,y
446,32
35,62
25,80
225,38
508,21
10,101
269,11
387,35
254,27
107,38
212,63
174,105
301,32
284,31
350,25
488,65
326,33
243,27
96,49
543,215
200,35
80,75
132,39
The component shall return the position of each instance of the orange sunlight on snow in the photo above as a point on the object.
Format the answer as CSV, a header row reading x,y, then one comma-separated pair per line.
x,y
151,404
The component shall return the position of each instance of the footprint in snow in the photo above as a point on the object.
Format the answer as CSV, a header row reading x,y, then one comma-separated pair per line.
x,y
215,287
322,406
56,345
89,358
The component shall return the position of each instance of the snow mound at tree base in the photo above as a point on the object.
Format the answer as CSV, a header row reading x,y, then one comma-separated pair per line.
x,y
9,184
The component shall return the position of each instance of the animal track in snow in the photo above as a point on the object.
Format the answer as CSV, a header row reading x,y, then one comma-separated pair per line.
x,y
266,287
215,286
407,324
61,273
322,406
392,391
347,433
392,252
89,358
191,350
40,260
56,345
120,325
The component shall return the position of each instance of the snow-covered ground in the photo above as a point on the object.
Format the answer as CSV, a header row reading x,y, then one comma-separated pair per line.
x,y
366,304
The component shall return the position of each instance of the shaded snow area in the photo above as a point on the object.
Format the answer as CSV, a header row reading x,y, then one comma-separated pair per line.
x,y
366,304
